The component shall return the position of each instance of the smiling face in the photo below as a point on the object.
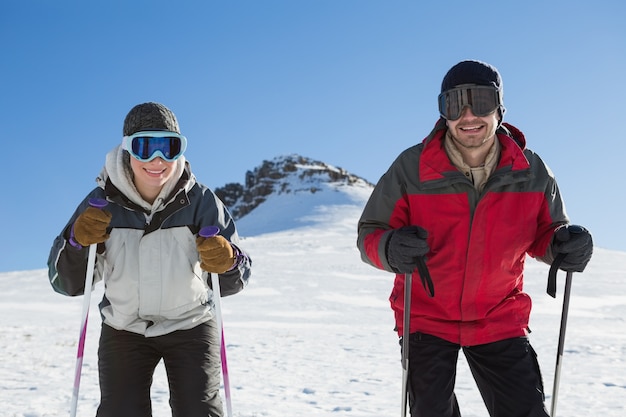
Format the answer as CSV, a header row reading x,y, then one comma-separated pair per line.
x,y
471,132
150,177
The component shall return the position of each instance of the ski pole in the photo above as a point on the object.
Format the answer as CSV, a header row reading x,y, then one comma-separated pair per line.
x,y
406,324
91,263
559,354
427,282
551,290
210,231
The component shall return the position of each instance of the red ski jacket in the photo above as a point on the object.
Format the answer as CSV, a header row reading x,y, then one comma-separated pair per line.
x,y
478,240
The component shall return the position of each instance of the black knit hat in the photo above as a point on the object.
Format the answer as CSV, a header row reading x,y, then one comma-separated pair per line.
x,y
471,72
150,116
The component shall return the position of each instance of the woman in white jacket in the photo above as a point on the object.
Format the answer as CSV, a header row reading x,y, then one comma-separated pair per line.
x,y
157,303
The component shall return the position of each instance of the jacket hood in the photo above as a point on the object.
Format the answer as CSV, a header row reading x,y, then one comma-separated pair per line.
x,y
436,164
514,133
118,172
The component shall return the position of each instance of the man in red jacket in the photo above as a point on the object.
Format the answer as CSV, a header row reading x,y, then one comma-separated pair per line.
x,y
472,201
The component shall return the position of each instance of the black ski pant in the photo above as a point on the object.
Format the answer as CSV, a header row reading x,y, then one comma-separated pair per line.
x,y
506,373
127,361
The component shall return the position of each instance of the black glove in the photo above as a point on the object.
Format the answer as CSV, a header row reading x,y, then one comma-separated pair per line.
x,y
404,248
576,244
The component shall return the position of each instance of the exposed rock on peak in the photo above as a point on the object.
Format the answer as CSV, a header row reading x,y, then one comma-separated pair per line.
x,y
283,175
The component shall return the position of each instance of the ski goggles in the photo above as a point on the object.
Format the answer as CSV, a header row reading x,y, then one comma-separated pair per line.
x,y
145,146
482,99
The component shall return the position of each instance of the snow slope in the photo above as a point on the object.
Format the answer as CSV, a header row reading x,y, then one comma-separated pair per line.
x,y
312,334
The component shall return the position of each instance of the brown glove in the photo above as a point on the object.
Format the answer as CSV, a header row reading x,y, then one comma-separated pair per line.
x,y
216,254
91,226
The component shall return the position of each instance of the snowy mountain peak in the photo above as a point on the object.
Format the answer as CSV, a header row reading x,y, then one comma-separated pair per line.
x,y
291,174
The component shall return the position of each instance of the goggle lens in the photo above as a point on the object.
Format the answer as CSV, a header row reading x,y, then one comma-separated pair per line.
x,y
483,101
145,146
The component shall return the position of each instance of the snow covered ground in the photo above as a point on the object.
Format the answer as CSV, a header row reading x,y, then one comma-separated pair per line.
x,y
312,334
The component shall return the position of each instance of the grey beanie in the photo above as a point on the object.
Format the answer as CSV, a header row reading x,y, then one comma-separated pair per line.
x,y
472,72
150,116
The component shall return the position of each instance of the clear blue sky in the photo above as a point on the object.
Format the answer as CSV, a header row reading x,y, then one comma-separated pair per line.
x,y
348,82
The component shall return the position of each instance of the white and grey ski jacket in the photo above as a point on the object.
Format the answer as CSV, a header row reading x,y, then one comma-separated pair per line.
x,y
150,265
